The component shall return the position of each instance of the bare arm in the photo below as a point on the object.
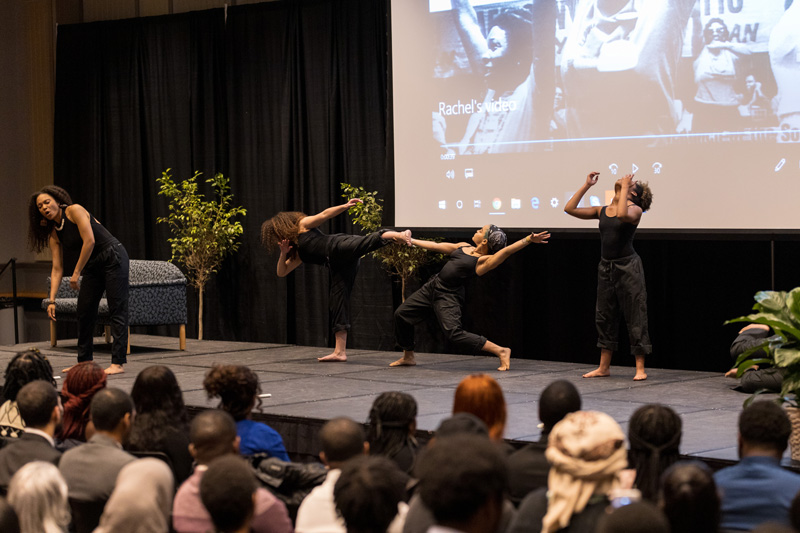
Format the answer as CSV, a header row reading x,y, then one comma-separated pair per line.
x,y
314,221
285,263
470,32
441,247
56,273
81,218
584,213
631,214
490,262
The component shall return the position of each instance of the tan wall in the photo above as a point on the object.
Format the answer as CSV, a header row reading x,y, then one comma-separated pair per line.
x,y
74,11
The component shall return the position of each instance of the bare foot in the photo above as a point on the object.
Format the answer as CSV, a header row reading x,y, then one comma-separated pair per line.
x,y
333,358
640,376
66,370
731,373
505,359
597,374
114,369
404,361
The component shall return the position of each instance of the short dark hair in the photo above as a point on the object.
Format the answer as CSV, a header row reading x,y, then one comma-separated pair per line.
x,y
689,498
36,402
461,423
637,517
367,493
342,439
212,433
765,424
557,400
109,407
226,491
458,474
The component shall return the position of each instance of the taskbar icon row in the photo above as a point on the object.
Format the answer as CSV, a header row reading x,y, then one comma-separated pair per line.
x,y
534,202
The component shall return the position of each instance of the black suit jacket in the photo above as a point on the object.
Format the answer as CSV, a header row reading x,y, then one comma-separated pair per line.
x,y
27,448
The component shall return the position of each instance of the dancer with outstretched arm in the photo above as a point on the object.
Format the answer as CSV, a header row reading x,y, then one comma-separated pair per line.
x,y
300,241
443,294
621,287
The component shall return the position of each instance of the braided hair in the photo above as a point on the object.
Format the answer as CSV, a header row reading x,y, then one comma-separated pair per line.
x,y
83,381
23,368
654,432
389,424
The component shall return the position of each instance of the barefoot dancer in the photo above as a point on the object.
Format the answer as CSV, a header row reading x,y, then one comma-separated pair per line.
x,y
300,241
79,243
620,277
444,293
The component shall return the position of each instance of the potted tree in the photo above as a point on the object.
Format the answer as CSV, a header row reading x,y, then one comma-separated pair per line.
x,y
399,260
781,311
204,230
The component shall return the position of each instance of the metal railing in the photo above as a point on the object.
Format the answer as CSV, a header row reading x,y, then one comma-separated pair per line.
x,y
4,301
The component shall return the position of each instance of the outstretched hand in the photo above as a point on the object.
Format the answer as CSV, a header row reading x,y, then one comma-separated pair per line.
x,y
539,238
591,179
285,245
353,201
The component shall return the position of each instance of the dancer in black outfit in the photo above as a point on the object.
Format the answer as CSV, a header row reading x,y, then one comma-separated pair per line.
x,y
444,293
98,261
620,276
300,241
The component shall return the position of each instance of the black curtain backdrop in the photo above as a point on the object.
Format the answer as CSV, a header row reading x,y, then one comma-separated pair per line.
x,y
289,99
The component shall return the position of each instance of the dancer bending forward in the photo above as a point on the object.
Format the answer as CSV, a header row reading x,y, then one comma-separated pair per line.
x,y
300,241
444,293
620,277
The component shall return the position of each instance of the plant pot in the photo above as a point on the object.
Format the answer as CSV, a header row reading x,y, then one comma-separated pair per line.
x,y
794,438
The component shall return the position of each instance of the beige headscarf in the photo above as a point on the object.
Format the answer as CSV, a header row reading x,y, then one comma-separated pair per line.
x,y
586,451
141,501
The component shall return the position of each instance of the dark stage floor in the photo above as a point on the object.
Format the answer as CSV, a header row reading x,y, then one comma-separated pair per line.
x,y
306,393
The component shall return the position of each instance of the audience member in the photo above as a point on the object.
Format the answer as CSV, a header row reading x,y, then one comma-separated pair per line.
x,y
238,389
757,489
458,424
637,517
462,479
228,492
38,495
528,467
689,498
794,512
654,436
369,494
39,407
391,427
81,384
92,468
213,435
161,422
586,451
141,501
482,396
23,368
8,518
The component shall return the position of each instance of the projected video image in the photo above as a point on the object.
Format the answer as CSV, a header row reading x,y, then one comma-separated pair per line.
x,y
665,89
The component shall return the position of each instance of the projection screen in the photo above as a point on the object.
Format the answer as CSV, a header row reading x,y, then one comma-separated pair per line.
x,y
502,108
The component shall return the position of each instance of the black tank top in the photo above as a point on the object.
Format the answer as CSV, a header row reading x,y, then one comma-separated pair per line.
x,y
459,268
616,237
71,242
312,247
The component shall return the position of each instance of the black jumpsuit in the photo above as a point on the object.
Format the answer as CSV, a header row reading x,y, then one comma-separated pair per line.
x,y
106,271
341,254
443,295
620,287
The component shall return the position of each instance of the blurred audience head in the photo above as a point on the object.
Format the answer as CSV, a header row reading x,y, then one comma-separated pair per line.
x,y
764,429
38,494
212,434
689,498
81,384
391,426
237,387
654,436
342,439
482,396
112,412
38,405
159,408
23,368
637,517
556,401
368,492
227,491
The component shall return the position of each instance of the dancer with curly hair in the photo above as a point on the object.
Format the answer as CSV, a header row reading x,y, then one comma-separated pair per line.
x,y
97,260
443,295
299,239
620,276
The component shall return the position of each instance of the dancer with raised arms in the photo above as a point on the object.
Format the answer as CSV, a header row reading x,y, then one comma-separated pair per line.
x,y
299,239
443,294
621,287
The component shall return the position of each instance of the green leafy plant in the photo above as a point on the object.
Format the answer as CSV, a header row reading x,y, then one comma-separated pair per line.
x,y
780,311
398,259
204,231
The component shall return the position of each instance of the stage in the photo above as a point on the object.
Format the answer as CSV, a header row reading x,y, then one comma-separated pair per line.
x,y
306,393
